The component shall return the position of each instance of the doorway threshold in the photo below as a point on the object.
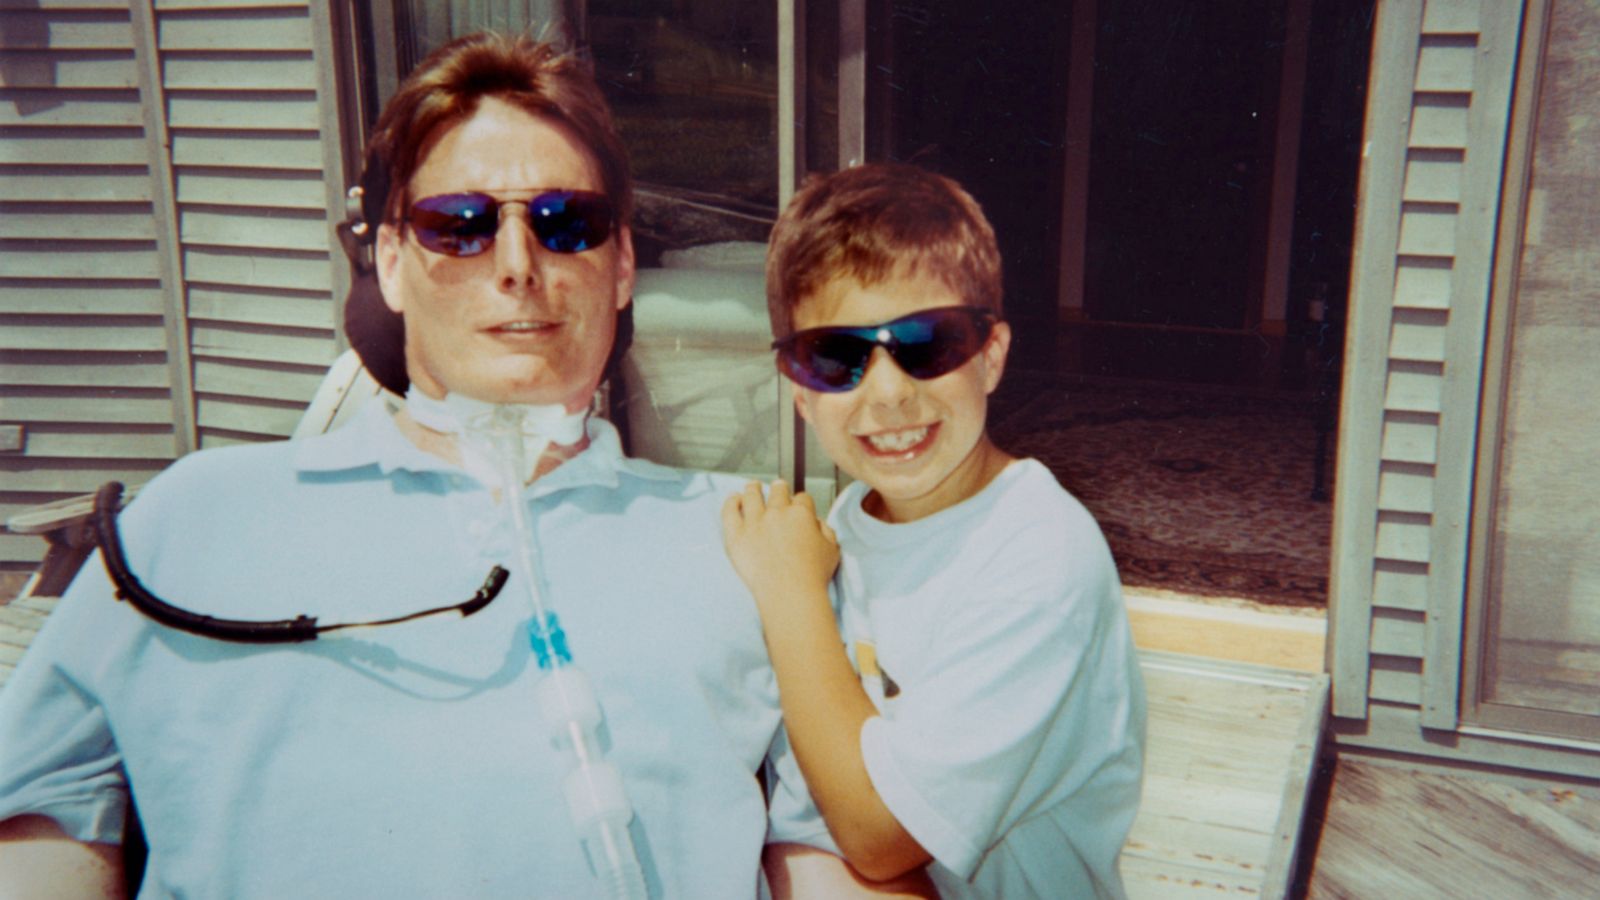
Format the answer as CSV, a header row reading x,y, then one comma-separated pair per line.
x,y
1227,628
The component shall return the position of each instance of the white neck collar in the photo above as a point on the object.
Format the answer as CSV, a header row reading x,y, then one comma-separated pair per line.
x,y
489,432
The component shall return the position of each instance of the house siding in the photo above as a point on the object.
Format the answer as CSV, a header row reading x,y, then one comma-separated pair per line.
x,y
169,176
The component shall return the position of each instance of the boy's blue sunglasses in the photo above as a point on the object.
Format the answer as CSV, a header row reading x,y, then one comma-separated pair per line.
x,y
924,345
466,224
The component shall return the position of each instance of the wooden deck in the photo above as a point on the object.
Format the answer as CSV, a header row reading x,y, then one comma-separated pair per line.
x,y
1414,830
1230,756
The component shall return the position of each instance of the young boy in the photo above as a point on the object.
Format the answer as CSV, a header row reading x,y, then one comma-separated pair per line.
x,y
986,710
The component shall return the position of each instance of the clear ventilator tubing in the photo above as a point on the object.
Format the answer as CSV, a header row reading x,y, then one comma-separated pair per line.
x,y
597,800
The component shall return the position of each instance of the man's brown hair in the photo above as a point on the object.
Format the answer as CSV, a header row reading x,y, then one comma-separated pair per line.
x,y
877,221
447,86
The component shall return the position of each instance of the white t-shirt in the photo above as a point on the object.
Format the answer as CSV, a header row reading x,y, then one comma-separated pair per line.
x,y
993,640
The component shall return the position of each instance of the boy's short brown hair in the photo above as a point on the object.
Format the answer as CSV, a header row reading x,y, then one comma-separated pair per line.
x,y
872,222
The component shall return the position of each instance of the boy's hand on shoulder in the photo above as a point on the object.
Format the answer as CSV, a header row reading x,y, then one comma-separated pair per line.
x,y
776,542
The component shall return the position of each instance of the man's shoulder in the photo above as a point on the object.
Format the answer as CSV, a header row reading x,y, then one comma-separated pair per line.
x,y
686,484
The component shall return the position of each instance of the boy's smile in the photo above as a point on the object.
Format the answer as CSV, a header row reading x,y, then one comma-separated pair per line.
x,y
920,444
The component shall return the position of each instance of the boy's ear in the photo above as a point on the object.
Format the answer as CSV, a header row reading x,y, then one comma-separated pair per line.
x,y
994,356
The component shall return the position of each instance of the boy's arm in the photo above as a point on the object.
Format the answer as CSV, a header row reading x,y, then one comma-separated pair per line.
x,y
799,871
786,557
37,859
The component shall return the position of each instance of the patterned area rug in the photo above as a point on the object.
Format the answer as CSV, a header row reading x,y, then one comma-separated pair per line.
x,y
1199,490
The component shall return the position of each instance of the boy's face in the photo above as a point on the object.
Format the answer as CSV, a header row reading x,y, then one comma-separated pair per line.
x,y
920,445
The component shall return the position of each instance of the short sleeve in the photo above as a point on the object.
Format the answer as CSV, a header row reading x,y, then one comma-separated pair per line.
x,y
1025,700
57,755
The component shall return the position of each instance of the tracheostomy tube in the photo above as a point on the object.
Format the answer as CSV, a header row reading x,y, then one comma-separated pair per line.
x,y
596,797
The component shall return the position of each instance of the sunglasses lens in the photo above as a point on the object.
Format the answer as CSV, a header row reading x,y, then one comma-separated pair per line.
x,y
925,345
938,342
455,224
465,224
827,362
570,221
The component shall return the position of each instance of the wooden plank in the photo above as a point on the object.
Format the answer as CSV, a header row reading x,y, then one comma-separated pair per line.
x,y
1428,229
19,550
266,29
1404,536
1414,386
77,222
263,344
28,30
171,5
107,407
259,381
41,333
40,183
257,149
1433,176
1399,729
53,107
83,146
78,370
229,187
85,259
71,476
1400,828
1400,585
1418,335
1440,121
92,442
267,110
271,229
1227,756
1493,75
258,268
1397,633
77,5
1405,487
263,307
1390,109
1410,438
346,386
1282,862
1451,17
237,71
1422,282
165,215
1445,64
211,440
341,162
217,414
70,69
88,297
1396,679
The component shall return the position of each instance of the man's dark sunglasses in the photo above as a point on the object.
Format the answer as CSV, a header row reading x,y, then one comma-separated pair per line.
x,y
924,345
282,631
466,224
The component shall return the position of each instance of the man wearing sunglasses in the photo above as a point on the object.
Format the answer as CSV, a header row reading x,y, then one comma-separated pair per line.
x,y
411,760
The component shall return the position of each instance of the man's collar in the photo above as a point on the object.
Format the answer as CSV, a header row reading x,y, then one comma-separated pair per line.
x,y
373,438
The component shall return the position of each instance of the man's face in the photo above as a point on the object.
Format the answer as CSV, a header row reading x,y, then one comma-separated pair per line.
x,y
517,323
916,443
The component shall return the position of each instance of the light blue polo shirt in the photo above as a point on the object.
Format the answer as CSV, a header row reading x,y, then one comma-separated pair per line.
x,y
409,760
